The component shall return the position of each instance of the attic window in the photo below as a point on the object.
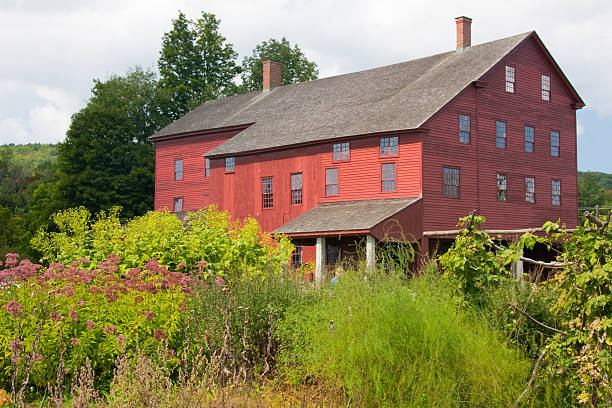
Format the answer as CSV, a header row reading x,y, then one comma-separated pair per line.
x,y
389,146
230,164
341,151
545,88
178,169
464,128
509,79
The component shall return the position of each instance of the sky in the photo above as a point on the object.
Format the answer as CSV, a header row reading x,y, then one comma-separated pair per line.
x,y
52,50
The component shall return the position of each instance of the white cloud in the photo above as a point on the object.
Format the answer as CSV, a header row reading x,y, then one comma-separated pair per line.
x,y
13,130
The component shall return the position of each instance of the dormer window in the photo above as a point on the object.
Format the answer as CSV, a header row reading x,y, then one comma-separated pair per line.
x,y
230,164
341,151
545,88
510,79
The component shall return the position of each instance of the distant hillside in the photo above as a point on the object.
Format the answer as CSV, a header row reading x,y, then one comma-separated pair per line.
x,y
30,157
594,188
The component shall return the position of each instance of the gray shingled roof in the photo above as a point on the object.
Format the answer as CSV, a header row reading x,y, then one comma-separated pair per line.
x,y
345,216
395,97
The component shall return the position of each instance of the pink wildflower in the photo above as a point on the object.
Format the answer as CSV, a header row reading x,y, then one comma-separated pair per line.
x,y
159,334
37,357
110,329
68,291
81,303
121,339
83,260
219,281
181,265
54,316
138,299
16,346
201,264
74,342
11,260
149,314
90,325
13,307
73,314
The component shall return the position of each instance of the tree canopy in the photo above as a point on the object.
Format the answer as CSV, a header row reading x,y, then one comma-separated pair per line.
x,y
106,159
296,67
196,63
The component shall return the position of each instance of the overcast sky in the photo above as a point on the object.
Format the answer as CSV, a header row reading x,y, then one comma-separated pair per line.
x,y
51,50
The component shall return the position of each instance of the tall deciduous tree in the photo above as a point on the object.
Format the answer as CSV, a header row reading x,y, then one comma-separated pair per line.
x,y
196,63
296,67
106,159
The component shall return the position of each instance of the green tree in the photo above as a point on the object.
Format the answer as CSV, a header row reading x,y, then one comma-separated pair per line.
x,y
296,67
106,159
591,193
196,63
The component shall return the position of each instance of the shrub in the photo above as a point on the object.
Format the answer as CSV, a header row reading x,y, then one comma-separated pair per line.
x,y
229,248
63,314
397,343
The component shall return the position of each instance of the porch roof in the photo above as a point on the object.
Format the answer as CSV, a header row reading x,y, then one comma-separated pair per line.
x,y
345,216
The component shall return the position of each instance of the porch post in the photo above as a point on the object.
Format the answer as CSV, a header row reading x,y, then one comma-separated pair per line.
x,y
370,251
320,260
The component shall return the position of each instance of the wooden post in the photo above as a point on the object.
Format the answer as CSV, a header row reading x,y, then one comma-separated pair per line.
x,y
320,260
370,252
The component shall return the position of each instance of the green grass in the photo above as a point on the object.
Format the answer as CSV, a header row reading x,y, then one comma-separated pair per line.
x,y
401,343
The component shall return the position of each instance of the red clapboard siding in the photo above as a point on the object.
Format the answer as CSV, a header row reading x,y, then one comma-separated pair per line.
x,y
359,177
194,188
480,161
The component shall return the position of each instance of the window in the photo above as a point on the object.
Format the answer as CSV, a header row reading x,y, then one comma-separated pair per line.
x,y
451,182
341,151
296,188
556,192
500,129
530,189
464,128
554,143
509,79
230,164
178,204
529,139
178,169
267,193
331,182
389,146
545,88
207,167
501,187
296,256
388,177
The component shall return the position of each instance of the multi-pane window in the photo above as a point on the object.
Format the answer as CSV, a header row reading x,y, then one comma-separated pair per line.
x,y
530,189
331,182
501,187
267,192
341,151
296,188
389,146
464,128
529,139
554,143
178,204
545,88
388,177
500,131
510,79
556,192
230,164
296,256
207,167
178,169
451,182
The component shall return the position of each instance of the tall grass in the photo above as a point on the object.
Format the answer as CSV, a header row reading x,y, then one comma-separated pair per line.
x,y
400,343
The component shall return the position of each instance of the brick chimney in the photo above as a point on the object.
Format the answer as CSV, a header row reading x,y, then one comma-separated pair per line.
x,y
272,75
464,33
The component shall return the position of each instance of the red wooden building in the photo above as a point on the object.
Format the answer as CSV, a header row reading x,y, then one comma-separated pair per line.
x,y
397,151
